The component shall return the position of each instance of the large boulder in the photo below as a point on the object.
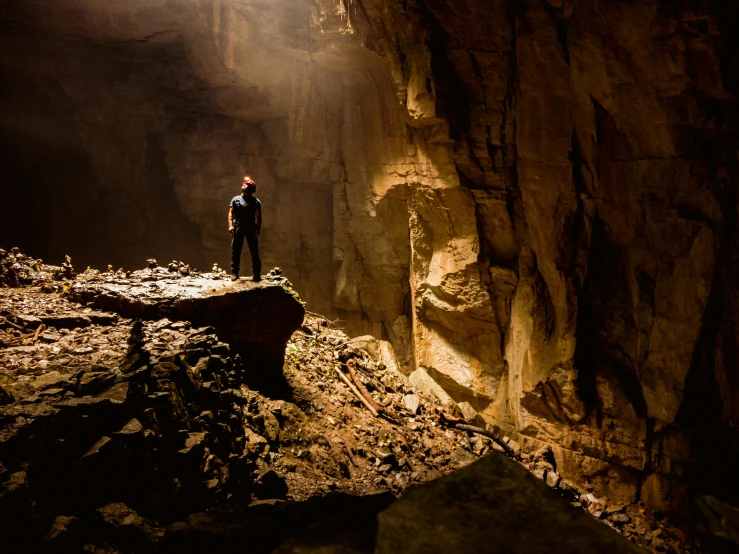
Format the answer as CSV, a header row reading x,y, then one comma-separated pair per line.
x,y
255,318
491,506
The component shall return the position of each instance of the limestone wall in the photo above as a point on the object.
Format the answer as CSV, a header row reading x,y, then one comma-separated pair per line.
x,y
563,276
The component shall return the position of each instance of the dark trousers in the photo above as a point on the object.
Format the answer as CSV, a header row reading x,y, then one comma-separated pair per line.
x,y
237,243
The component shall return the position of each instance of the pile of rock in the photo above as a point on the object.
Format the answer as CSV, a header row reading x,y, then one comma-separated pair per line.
x,y
357,452
316,352
159,430
17,269
656,532
142,435
119,432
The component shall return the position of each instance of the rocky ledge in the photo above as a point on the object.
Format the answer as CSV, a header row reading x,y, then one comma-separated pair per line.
x,y
255,318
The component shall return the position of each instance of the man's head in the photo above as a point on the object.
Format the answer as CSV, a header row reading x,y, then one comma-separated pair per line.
x,y
248,185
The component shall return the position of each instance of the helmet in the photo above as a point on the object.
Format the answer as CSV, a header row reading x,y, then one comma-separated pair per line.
x,y
250,184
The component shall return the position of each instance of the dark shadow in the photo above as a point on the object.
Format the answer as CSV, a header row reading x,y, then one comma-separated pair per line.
x,y
265,376
335,523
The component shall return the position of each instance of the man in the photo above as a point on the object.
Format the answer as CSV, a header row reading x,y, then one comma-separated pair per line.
x,y
245,221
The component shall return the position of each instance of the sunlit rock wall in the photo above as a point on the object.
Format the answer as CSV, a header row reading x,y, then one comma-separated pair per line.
x,y
568,272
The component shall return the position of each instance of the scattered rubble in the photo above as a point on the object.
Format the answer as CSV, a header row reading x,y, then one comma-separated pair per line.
x,y
134,428
161,405
17,269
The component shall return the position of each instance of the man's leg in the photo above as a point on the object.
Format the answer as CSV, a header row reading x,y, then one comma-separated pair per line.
x,y
256,262
237,243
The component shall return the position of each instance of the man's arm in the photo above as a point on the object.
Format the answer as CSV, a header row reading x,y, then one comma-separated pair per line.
x,y
259,220
230,220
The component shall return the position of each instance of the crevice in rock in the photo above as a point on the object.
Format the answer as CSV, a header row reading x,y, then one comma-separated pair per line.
x,y
508,136
561,27
587,351
544,314
603,281
713,440
449,90
573,239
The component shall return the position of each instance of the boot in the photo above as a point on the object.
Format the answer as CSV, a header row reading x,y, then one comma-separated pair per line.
x,y
234,276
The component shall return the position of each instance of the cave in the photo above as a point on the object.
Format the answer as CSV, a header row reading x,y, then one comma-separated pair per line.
x,y
524,209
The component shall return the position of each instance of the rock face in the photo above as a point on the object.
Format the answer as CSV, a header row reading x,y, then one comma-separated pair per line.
x,y
534,202
566,269
509,511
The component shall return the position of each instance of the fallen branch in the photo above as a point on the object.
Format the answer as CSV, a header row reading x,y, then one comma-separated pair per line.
x,y
351,366
489,434
391,416
350,455
452,419
356,392
462,425
18,340
6,320
38,332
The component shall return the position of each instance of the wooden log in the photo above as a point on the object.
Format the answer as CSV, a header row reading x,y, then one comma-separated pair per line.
x,y
356,392
391,416
462,425
38,332
351,366
485,432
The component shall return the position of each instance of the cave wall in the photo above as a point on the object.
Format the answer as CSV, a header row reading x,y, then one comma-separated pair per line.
x,y
533,201
574,300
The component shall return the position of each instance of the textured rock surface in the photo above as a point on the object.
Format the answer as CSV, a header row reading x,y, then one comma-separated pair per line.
x,y
256,319
493,505
534,202
572,249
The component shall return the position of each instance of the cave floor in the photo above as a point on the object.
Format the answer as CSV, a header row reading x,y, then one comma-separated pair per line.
x,y
299,467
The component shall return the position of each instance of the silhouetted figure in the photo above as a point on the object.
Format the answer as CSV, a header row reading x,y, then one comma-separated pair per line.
x,y
245,221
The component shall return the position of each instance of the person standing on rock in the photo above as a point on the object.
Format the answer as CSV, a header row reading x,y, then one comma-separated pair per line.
x,y
245,221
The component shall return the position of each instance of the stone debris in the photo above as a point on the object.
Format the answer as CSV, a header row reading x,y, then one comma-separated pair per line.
x,y
313,356
274,274
412,402
162,405
17,269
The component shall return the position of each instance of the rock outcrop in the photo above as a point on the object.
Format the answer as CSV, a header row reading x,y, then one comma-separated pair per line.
x,y
255,318
534,202
509,511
